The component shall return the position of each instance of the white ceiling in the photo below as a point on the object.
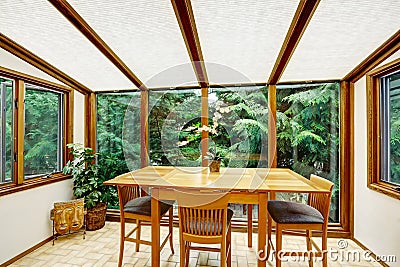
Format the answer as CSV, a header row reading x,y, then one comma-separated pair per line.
x,y
240,39
339,36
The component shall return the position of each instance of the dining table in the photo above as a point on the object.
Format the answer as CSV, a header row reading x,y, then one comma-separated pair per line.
x,y
244,185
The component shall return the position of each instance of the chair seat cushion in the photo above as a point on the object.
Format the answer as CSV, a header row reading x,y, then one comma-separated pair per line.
x,y
142,206
291,212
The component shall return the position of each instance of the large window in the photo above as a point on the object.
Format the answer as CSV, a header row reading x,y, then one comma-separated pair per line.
x,y
35,126
170,114
390,128
6,127
43,131
118,136
383,103
307,120
308,134
241,116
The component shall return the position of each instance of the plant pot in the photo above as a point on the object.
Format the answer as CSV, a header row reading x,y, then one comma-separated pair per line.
x,y
96,217
214,166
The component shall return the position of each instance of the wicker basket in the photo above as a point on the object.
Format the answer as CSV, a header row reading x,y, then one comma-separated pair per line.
x,y
96,217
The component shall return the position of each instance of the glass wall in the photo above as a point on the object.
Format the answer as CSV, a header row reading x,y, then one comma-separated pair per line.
x,y
172,116
239,118
241,137
6,129
43,131
308,134
118,136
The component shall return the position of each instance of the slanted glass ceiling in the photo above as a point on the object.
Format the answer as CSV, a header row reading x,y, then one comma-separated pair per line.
x,y
145,35
240,42
40,28
243,36
339,36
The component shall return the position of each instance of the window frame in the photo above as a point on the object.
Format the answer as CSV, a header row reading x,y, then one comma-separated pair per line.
x,y
60,130
374,181
19,183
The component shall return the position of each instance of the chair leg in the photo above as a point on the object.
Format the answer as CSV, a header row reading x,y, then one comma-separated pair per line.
x,y
187,253
138,232
223,252
269,239
171,229
278,253
229,246
182,249
324,247
309,248
122,241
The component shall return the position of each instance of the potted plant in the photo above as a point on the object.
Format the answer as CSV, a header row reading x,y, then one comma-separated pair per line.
x,y
87,184
215,159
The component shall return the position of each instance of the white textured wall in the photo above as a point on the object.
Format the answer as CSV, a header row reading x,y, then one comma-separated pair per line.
x,y
376,216
25,217
8,60
79,118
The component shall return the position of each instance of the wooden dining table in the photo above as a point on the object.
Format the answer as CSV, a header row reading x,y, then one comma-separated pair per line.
x,y
245,186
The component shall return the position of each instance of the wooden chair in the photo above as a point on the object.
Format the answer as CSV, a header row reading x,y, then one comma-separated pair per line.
x,y
204,218
295,216
134,206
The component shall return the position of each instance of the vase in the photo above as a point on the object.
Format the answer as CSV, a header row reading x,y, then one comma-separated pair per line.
x,y
214,166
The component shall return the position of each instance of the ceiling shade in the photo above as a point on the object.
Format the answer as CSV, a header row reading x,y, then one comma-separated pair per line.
x,y
244,36
40,28
145,35
339,36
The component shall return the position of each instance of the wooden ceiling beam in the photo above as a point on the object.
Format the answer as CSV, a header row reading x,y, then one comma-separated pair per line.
x,y
26,55
184,15
302,17
75,19
375,58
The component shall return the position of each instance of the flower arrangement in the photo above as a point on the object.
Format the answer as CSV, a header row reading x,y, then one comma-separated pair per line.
x,y
194,131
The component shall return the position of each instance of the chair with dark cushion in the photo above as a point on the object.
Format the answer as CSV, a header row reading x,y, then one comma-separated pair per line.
x,y
296,216
204,218
136,207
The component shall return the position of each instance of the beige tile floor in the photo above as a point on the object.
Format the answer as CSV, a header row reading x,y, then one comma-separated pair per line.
x,y
100,248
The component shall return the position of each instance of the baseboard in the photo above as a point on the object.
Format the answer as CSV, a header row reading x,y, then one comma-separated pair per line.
x,y
26,252
372,254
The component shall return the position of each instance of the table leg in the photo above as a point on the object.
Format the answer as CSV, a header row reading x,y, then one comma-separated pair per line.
x,y
249,225
262,225
155,228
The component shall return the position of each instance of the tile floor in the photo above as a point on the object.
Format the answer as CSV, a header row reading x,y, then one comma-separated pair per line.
x,y
100,248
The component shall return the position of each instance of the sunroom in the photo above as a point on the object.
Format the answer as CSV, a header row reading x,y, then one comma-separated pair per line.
x,y
276,92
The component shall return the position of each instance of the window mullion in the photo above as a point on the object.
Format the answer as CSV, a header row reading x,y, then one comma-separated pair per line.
x,y
19,131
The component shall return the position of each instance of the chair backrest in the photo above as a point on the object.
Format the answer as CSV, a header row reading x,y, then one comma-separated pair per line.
x,y
321,201
203,214
126,193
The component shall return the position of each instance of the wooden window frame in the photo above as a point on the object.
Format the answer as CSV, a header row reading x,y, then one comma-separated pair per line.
x,y
19,184
374,181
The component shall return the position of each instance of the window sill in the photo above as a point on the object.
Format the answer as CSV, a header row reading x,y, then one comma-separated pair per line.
x,y
32,183
385,188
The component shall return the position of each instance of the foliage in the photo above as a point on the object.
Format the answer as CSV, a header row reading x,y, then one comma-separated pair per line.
x,y
308,132
307,129
85,175
41,131
114,154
